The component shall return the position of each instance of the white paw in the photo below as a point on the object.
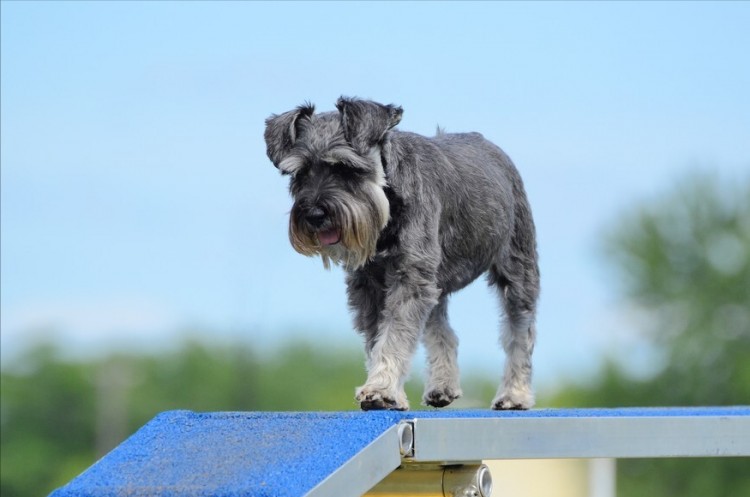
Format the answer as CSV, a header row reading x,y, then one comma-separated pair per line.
x,y
514,399
372,399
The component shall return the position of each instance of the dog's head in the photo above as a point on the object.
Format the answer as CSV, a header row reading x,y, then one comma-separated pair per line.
x,y
336,174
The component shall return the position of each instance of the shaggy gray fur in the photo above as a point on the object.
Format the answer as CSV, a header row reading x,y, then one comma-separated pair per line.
x,y
411,219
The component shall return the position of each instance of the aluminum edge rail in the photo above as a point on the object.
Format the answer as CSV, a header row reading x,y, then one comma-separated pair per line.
x,y
363,471
472,439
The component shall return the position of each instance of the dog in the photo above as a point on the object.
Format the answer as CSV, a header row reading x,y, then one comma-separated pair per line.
x,y
411,219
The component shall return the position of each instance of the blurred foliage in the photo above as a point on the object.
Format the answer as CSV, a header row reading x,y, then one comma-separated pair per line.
x,y
684,260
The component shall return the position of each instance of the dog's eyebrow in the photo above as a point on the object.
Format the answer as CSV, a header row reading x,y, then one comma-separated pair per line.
x,y
346,156
291,164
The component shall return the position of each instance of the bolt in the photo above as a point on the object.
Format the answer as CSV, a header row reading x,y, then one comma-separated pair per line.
x,y
484,481
406,438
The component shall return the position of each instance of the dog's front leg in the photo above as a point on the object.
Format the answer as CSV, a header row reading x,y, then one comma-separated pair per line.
x,y
366,291
409,299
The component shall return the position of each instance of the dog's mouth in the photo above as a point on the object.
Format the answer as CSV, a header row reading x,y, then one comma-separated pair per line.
x,y
331,236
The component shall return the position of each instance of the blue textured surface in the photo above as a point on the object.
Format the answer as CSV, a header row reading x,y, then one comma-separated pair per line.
x,y
271,454
230,454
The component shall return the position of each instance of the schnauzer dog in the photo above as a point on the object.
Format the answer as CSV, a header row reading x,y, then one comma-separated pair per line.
x,y
411,219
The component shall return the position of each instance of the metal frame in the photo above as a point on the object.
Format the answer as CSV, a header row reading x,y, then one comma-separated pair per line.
x,y
362,472
585,437
420,449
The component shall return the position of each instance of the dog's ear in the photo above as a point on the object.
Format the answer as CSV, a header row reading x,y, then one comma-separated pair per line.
x,y
282,131
365,123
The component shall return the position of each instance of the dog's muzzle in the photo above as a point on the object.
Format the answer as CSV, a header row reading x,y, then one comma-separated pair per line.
x,y
315,217
319,222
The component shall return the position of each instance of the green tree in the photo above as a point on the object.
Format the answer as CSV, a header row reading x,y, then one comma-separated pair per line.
x,y
47,416
684,263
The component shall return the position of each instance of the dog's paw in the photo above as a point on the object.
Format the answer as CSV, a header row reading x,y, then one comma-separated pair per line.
x,y
440,397
513,401
375,400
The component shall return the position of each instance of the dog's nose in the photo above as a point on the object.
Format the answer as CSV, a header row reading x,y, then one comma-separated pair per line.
x,y
315,217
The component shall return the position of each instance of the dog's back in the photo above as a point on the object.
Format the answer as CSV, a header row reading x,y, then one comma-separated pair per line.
x,y
474,188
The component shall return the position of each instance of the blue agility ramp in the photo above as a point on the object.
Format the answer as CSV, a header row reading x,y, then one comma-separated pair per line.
x,y
183,453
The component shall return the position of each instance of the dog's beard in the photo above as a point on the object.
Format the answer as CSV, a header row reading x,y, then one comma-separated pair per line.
x,y
358,222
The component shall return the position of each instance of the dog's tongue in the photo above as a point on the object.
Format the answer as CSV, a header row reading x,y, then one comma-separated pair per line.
x,y
328,237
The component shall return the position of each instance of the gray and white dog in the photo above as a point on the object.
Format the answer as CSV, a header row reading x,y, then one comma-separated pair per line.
x,y
411,219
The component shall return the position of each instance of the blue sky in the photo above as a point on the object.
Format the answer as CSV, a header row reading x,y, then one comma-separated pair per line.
x,y
137,200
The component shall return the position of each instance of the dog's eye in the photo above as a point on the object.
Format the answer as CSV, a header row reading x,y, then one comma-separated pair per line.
x,y
348,171
296,173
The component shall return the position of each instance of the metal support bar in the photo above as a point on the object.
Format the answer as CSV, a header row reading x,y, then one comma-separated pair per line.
x,y
470,480
443,439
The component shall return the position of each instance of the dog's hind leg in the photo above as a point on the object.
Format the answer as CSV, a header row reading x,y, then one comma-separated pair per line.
x,y
443,386
517,282
518,337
